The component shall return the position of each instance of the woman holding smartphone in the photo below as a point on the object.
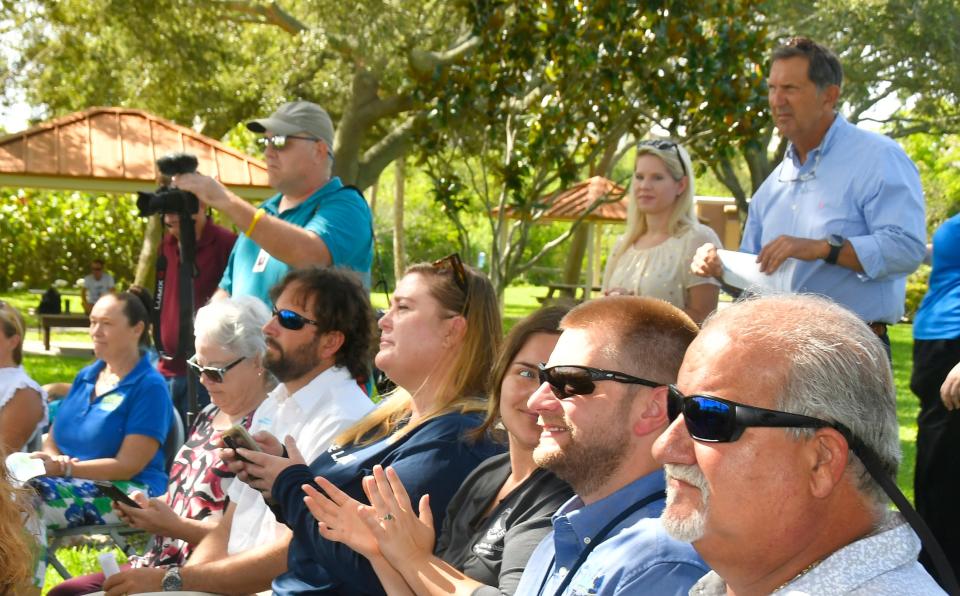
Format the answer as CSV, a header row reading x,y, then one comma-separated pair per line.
x,y
229,361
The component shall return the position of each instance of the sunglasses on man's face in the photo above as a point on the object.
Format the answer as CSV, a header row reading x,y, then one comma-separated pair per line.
x,y
292,320
213,373
713,420
278,142
570,380
663,145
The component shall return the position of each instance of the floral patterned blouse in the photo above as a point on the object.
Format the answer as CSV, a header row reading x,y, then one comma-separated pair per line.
x,y
198,488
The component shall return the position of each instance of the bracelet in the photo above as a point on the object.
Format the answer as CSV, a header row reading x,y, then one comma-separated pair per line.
x,y
253,223
68,470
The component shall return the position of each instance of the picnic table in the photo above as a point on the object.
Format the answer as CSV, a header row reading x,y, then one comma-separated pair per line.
x,y
63,320
569,290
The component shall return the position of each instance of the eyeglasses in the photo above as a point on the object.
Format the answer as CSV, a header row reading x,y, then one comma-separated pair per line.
x,y
453,263
569,380
278,142
713,420
292,320
213,373
805,176
663,145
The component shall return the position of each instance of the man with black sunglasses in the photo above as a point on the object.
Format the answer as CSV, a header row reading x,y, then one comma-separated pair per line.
x,y
844,209
319,344
782,451
601,404
313,220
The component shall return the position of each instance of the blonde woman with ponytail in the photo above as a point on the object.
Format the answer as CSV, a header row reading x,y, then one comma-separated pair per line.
x,y
653,256
438,343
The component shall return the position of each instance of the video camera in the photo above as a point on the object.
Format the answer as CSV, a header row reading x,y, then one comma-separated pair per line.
x,y
168,199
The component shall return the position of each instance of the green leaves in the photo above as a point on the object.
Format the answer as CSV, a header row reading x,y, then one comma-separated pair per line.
x,y
55,235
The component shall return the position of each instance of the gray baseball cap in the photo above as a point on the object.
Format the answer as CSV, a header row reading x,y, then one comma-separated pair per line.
x,y
297,117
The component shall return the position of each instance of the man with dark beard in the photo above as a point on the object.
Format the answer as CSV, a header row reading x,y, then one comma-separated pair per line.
x,y
318,346
601,404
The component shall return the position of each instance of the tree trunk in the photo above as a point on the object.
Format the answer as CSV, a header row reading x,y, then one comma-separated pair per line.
x,y
146,262
399,261
578,246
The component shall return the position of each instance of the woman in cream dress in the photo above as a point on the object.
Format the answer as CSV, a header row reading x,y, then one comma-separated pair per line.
x,y
653,256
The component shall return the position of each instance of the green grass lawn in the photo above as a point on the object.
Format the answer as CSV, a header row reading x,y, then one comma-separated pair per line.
x,y
519,301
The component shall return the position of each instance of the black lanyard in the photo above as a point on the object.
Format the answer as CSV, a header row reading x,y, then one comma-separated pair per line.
x,y
597,540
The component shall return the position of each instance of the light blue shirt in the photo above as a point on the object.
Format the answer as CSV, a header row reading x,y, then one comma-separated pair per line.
x,y
863,187
637,557
338,215
882,564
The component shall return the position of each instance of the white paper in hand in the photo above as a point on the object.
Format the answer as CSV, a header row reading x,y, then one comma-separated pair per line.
x,y
22,467
741,270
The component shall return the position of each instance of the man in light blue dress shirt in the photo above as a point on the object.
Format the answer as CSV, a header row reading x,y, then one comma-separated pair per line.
x,y
843,213
601,405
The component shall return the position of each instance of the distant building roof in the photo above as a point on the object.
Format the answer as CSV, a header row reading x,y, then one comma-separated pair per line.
x,y
114,150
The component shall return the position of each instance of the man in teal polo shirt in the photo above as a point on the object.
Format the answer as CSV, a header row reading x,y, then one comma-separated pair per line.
x,y
313,220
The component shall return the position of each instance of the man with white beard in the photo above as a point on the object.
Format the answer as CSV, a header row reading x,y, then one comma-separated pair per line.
x,y
783,418
601,404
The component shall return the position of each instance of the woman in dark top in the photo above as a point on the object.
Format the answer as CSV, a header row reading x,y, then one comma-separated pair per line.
x,y
496,519
438,344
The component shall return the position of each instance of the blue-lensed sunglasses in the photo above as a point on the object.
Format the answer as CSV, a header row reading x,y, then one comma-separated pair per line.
x,y
292,320
714,420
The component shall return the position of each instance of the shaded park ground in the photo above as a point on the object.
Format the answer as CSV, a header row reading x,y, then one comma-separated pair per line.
x,y
519,301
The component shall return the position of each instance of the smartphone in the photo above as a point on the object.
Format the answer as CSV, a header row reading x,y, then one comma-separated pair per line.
x,y
115,494
237,437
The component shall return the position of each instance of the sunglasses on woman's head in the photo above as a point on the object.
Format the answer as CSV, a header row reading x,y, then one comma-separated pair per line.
x,y
454,264
570,380
664,145
291,320
213,373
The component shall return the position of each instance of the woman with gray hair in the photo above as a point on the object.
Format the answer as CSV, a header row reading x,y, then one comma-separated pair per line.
x,y
229,361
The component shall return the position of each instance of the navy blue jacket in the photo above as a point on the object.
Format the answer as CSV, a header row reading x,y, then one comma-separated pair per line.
x,y
435,458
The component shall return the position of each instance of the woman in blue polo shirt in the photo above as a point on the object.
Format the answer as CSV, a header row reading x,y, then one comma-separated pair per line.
x,y
112,423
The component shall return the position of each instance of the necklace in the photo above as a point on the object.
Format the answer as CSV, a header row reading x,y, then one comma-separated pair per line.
x,y
109,379
803,572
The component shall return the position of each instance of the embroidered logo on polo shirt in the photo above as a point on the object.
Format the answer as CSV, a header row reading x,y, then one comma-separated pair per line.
x,y
111,402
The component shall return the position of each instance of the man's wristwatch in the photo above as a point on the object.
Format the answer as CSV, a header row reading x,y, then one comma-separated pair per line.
x,y
836,243
172,582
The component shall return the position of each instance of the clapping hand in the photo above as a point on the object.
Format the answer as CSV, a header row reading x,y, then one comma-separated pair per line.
x,y
400,532
340,518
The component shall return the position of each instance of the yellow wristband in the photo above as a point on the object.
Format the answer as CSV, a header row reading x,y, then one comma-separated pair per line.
x,y
253,223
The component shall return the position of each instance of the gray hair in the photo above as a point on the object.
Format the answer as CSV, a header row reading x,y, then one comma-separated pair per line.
x,y
837,370
236,324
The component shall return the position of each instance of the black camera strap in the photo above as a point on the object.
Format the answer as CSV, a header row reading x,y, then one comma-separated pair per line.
x,y
158,301
184,340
